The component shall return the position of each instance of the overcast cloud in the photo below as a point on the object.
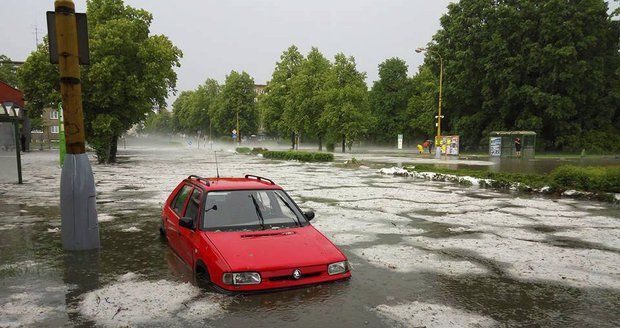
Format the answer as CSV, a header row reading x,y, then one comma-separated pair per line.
x,y
219,36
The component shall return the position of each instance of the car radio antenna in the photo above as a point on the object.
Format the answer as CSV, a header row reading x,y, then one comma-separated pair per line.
x,y
217,168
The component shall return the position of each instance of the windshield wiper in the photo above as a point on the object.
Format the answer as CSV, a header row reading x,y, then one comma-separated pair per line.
x,y
258,212
290,208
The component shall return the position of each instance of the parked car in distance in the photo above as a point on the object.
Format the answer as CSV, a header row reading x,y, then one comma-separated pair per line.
x,y
247,234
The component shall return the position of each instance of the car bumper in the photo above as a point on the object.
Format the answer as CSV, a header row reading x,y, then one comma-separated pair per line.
x,y
268,284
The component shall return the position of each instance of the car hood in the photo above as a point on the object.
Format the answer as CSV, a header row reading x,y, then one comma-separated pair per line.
x,y
274,249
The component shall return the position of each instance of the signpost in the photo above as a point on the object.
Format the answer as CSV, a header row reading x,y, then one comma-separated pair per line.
x,y
80,228
495,147
400,141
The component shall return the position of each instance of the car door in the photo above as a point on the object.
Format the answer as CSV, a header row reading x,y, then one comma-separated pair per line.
x,y
177,207
187,236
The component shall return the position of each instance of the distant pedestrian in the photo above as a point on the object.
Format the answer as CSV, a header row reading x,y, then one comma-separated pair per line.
x,y
427,145
420,149
518,147
430,146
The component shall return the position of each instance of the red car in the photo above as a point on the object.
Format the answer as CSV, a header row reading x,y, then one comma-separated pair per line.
x,y
247,234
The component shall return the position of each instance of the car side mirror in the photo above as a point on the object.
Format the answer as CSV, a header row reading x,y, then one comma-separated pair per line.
x,y
309,215
187,222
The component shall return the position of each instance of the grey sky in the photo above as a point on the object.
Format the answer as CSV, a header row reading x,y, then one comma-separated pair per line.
x,y
219,36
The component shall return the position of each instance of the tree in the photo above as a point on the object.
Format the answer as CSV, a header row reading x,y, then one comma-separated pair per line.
x,y
422,106
237,100
346,115
130,73
181,112
193,110
278,92
158,122
307,101
8,73
39,81
388,100
546,66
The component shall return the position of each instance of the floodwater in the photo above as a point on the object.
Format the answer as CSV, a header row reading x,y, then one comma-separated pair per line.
x,y
424,253
539,165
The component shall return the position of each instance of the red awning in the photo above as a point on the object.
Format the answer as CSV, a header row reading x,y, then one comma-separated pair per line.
x,y
8,93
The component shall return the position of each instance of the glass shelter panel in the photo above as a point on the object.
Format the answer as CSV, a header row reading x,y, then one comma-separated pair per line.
x,y
8,157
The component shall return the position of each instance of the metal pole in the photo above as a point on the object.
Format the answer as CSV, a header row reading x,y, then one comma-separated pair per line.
x,y
18,152
80,228
440,96
238,130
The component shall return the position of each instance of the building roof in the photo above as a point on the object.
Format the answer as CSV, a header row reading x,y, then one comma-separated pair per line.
x,y
10,94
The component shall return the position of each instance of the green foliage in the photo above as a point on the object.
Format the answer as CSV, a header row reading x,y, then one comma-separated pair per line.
x,y
130,73
500,180
39,81
568,177
389,98
301,156
422,106
8,72
194,109
158,122
238,98
243,150
278,93
258,150
103,128
307,102
547,66
586,178
347,115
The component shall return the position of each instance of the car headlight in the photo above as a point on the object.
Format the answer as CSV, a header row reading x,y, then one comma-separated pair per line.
x,y
241,278
338,267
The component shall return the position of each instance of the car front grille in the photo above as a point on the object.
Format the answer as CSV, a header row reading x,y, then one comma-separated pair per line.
x,y
290,276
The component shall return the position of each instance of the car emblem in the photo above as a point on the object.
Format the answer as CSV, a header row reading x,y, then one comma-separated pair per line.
x,y
296,274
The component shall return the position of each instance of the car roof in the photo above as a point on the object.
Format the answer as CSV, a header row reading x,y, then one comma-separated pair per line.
x,y
211,184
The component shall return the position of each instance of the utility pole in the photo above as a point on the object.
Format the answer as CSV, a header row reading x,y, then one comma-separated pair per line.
x,y
238,131
439,116
80,228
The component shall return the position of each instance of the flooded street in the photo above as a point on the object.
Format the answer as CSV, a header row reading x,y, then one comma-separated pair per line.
x,y
424,253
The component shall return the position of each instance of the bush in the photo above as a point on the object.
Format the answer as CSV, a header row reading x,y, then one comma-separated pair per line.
x,y
258,150
596,179
243,150
299,156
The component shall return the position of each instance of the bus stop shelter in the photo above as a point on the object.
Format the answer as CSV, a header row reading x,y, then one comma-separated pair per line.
x,y
11,113
502,143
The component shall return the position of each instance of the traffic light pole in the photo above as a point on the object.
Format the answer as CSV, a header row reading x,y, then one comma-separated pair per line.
x,y
80,228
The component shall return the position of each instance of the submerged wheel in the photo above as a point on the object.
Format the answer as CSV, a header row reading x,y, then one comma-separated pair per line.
x,y
203,280
162,232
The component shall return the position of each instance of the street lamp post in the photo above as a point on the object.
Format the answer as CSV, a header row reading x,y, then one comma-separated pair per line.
x,y
439,116
238,130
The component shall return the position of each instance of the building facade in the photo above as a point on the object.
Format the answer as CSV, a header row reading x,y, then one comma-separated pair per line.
x,y
49,132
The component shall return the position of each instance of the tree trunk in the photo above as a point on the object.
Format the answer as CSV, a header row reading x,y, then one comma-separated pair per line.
x,y
344,140
293,140
113,149
320,143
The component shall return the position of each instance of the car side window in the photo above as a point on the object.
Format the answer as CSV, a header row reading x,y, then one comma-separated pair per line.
x,y
193,205
179,200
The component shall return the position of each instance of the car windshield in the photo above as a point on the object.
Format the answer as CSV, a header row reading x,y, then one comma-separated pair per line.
x,y
236,210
